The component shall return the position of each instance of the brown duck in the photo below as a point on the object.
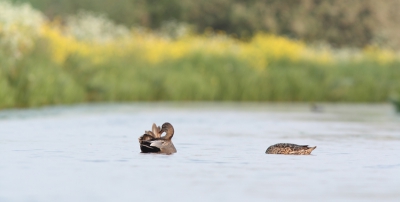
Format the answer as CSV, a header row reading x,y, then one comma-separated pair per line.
x,y
289,149
152,142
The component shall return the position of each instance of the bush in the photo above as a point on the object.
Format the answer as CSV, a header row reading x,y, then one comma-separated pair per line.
x,y
341,23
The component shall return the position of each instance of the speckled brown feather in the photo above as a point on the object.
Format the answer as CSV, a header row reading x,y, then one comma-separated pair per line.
x,y
289,149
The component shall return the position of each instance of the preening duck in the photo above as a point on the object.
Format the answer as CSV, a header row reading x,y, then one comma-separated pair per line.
x,y
289,149
152,142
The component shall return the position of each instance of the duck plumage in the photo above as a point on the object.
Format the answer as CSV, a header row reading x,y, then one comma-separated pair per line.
x,y
289,149
152,142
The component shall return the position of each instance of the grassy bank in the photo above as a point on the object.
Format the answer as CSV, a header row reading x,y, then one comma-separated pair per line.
x,y
90,59
341,23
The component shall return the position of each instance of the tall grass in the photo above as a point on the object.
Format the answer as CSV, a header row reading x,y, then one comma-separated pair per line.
x,y
56,63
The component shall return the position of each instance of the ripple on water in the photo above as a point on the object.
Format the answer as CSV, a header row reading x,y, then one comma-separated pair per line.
x,y
91,153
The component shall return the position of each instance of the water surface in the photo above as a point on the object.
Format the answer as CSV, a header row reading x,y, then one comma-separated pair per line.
x,y
91,153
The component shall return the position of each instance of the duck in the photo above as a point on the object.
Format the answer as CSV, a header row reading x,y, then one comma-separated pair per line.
x,y
289,149
316,108
153,142
396,104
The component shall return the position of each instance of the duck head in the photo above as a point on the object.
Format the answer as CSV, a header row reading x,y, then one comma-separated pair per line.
x,y
168,129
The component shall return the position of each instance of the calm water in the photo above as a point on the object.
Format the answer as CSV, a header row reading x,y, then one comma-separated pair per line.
x,y
91,153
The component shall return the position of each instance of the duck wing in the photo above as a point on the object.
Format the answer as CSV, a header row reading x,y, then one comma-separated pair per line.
x,y
156,131
289,145
150,133
146,147
145,137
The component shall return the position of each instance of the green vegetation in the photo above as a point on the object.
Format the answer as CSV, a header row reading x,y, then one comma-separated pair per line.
x,y
87,58
340,23
36,81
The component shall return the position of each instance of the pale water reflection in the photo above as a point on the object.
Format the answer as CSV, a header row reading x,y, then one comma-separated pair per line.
x,y
91,153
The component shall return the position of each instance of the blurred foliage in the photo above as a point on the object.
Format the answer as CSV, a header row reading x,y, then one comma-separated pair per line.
x,y
88,58
340,23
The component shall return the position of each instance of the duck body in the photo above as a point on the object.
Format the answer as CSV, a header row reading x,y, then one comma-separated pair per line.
x,y
152,142
157,145
289,149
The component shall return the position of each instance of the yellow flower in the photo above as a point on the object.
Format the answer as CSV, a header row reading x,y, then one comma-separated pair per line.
x,y
381,56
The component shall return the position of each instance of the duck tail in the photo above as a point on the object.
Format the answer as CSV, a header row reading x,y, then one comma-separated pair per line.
x,y
311,148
